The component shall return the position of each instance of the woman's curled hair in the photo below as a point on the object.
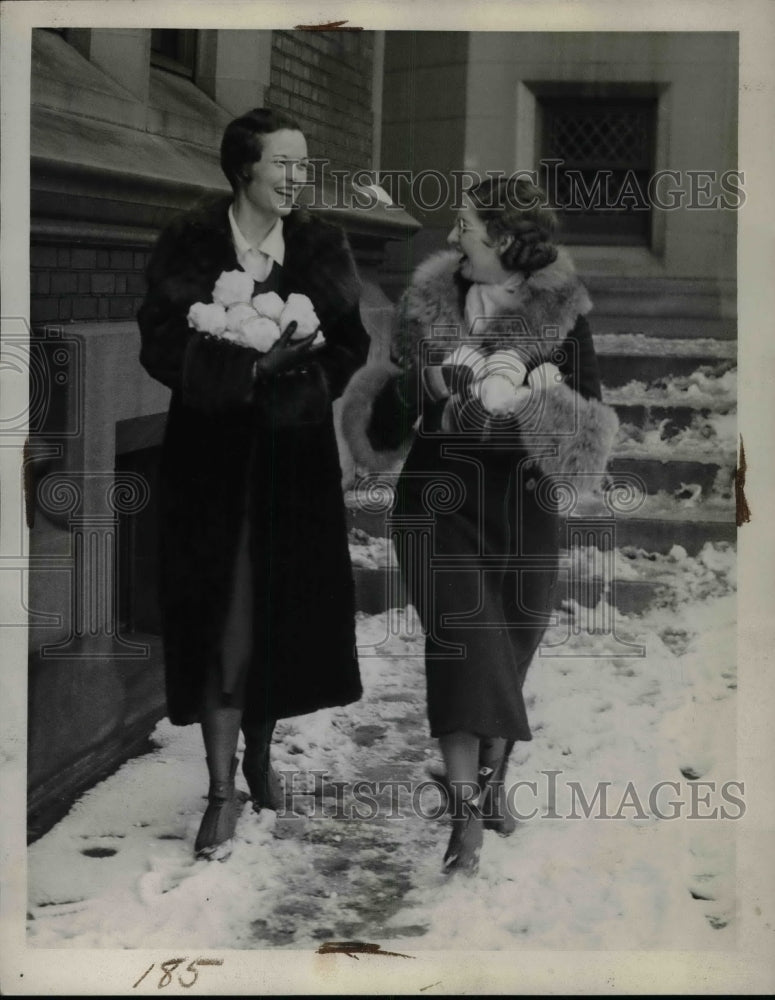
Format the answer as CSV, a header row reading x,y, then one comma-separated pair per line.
x,y
514,206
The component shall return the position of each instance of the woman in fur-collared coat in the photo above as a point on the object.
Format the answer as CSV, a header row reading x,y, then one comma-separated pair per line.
x,y
493,351
257,589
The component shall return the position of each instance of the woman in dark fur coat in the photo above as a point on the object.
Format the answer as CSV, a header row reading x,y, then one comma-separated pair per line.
x,y
257,590
493,351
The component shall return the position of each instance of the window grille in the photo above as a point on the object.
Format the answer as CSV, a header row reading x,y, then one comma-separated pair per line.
x,y
607,152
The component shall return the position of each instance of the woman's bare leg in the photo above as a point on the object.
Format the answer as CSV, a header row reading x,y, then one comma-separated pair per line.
x,y
491,750
220,732
460,751
264,782
494,756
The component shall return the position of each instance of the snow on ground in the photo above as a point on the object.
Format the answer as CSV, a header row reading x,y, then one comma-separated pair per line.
x,y
707,386
118,871
710,573
716,504
708,436
368,552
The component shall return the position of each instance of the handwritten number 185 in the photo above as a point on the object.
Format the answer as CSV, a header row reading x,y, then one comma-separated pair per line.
x,y
172,964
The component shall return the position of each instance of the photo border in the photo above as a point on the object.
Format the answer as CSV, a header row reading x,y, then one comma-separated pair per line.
x,y
749,969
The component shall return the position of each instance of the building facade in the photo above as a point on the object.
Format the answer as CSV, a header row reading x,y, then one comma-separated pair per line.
x,y
651,118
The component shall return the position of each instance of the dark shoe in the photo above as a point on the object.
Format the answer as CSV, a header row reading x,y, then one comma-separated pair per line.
x,y
494,807
465,842
266,788
216,831
495,803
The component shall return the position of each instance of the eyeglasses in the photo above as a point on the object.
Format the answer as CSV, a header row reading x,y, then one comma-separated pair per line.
x,y
462,226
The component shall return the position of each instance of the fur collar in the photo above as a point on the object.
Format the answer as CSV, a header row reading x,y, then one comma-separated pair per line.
x,y
571,436
553,297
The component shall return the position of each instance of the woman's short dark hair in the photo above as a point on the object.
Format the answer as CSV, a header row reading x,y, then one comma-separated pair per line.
x,y
242,146
514,206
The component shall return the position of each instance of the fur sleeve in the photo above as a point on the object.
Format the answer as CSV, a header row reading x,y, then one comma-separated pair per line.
x,y
571,435
376,424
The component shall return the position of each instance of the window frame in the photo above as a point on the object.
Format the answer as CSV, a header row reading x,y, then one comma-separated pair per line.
x,y
186,66
631,227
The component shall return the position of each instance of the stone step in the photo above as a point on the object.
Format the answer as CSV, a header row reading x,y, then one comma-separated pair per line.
x,y
639,345
661,534
630,356
620,369
376,590
690,327
658,475
667,474
648,533
680,416
655,527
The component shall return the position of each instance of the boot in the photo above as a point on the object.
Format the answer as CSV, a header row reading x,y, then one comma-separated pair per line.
x,y
216,831
494,808
465,842
266,789
495,802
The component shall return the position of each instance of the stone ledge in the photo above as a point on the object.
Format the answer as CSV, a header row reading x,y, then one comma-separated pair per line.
x,y
86,719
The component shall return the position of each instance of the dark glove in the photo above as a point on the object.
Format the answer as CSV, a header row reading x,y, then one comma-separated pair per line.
x,y
455,375
284,356
441,381
458,379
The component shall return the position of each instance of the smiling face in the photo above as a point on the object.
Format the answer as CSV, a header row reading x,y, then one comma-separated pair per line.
x,y
271,183
481,256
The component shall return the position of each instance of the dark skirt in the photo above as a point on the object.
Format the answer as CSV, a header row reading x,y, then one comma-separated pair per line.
x,y
478,549
277,600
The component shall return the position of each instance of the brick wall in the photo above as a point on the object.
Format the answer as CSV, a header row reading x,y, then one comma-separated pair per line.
x,y
324,79
86,283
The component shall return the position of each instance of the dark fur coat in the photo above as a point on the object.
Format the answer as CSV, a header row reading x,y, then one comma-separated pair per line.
x,y
267,454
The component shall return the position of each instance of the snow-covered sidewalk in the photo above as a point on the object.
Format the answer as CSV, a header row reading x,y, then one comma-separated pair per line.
x,y
118,871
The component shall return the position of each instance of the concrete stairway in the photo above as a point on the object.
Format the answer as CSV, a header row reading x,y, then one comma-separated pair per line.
x,y
664,394
669,394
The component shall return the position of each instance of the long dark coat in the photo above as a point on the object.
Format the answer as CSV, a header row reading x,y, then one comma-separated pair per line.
x,y
267,454
476,528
